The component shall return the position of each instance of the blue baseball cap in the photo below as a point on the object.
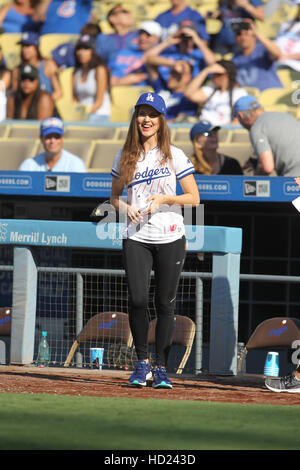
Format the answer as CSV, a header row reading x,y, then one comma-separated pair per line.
x,y
52,125
202,127
154,100
245,103
29,38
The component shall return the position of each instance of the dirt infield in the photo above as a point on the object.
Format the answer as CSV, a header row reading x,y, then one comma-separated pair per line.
x,y
113,383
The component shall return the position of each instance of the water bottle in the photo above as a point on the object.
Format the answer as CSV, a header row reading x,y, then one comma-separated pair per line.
x,y
44,351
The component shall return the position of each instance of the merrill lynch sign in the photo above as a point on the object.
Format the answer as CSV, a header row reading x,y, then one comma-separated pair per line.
x,y
35,237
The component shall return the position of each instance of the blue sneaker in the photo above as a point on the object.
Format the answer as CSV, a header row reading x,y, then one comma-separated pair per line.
x,y
161,380
141,374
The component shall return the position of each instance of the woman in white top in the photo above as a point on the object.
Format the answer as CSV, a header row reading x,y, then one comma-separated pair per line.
x,y
90,80
216,101
154,238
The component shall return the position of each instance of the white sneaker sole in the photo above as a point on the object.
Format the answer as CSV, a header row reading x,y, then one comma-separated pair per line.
x,y
136,383
277,390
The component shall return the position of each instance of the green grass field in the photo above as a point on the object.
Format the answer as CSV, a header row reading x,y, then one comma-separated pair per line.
x,y
53,422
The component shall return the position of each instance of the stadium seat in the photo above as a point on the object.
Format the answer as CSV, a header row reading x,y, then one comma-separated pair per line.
x,y
4,130
239,151
116,330
286,330
11,49
65,80
286,77
48,42
24,131
14,151
123,99
103,155
71,111
5,321
184,333
253,91
272,96
79,147
240,135
87,132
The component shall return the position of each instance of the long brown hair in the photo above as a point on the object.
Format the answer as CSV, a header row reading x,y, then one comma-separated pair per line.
x,y
200,164
133,147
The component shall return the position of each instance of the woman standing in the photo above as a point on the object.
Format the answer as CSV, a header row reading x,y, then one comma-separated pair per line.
x,y
90,80
149,166
206,158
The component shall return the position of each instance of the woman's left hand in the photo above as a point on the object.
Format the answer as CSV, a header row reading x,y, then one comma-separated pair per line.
x,y
154,202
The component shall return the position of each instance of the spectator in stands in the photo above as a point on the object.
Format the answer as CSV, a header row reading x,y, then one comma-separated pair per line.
x,y
5,83
288,40
19,16
216,101
256,61
275,138
184,45
128,66
66,17
179,13
179,108
54,157
29,101
123,37
48,70
91,80
206,158
64,54
229,12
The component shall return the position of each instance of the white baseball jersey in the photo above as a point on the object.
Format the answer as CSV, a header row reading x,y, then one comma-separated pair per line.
x,y
154,177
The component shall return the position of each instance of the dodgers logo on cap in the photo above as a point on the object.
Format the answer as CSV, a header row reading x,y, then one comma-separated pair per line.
x,y
154,100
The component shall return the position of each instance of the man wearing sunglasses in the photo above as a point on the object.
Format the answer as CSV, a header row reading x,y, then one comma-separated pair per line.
x,y
54,157
256,60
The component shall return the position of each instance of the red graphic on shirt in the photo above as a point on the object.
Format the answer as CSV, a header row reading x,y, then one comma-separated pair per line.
x,y
173,227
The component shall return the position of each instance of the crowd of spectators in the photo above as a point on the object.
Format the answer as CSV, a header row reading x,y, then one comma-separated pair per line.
x,y
200,75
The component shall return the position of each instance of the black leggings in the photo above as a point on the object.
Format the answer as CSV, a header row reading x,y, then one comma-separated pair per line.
x,y
166,260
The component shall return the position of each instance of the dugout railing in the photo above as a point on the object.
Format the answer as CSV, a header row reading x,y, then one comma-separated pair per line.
x,y
223,243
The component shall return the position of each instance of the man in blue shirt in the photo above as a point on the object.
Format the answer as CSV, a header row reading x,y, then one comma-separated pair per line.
x,y
256,60
179,12
65,16
123,37
128,66
54,157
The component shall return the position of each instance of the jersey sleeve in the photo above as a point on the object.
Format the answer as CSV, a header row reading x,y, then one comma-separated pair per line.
x,y
115,171
183,165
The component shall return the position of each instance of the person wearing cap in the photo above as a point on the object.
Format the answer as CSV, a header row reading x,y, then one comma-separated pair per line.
x,y
128,66
216,100
54,157
90,80
124,36
148,166
275,138
63,55
178,13
256,58
29,101
19,16
206,158
48,70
